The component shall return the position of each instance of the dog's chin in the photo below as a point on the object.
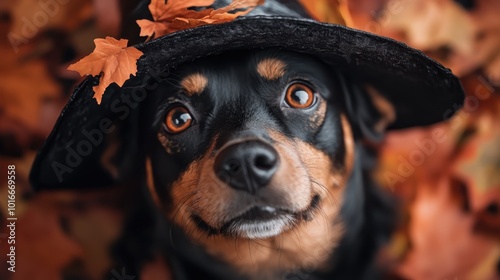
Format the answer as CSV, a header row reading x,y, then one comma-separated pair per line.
x,y
260,222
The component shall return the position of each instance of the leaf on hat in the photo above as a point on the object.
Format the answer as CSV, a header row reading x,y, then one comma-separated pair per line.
x,y
173,8
175,15
111,59
218,16
163,13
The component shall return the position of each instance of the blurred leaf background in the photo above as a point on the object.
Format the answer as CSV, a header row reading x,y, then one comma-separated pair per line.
x,y
447,176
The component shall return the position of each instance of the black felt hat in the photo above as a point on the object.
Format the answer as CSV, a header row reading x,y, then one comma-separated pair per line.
x,y
422,91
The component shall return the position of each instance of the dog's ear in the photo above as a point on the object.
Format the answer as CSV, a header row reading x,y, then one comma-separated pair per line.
x,y
368,110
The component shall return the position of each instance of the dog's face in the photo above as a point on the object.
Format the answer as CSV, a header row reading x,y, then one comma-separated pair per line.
x,y
252,147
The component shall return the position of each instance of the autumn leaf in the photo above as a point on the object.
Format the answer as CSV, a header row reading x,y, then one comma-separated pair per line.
x,y
176,15
21,101
150,28
111,59
217,16
163,13
174,8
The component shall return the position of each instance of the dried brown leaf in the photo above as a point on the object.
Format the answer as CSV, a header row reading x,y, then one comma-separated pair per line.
x,y
163,13
176,15
173,8
221,15
21,101
112,59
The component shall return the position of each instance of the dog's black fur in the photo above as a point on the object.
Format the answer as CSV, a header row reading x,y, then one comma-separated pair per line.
x,y
237,97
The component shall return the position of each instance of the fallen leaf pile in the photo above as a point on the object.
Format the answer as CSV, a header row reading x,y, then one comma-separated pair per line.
x,y
462,40
452,198
444,241
31,17
111,59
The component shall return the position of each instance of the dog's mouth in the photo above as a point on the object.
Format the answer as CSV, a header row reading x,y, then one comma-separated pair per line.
x,y
260,222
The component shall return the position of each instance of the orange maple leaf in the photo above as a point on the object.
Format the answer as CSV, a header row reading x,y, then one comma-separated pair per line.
x,y
217,16
112,59
163,13
175,15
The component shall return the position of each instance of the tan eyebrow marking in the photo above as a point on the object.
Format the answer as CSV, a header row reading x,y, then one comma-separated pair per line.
x,y
271,68
194,84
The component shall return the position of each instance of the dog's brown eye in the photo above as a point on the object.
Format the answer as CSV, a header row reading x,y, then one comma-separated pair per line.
x,y
299,96
178,119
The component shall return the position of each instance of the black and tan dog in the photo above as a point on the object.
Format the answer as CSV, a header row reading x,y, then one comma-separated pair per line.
x,y
252,156
242,146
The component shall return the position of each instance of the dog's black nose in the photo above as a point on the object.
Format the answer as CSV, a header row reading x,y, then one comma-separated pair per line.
x,y
247,166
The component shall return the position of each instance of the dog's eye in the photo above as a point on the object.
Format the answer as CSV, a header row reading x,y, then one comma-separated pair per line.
x,y
299,96
178,119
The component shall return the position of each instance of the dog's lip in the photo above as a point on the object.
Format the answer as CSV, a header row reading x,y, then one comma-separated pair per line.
x,y
266,213
259,216
269,213
259,213
252,213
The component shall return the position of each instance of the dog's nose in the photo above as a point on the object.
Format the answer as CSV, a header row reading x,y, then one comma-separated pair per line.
x,y
247,166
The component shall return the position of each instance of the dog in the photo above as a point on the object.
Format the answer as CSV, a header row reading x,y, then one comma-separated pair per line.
x,y
257,161
243,149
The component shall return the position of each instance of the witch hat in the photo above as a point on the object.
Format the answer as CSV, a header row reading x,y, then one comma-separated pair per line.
x,y
73,157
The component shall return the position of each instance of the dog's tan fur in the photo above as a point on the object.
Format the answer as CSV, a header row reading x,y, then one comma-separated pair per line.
x,y
349,143
194,84
318,118
169,146
150,181
271,68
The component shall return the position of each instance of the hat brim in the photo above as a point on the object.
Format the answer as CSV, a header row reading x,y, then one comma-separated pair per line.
x,y
421,90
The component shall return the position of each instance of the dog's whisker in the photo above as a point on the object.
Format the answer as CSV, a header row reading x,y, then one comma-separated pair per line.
x,y
326,221
181,203
250,254
280,250
323,188
236,248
